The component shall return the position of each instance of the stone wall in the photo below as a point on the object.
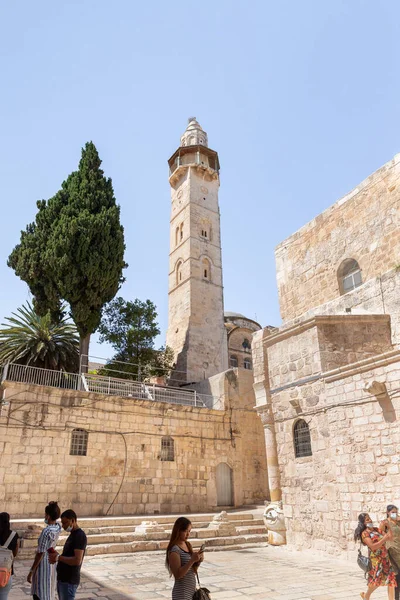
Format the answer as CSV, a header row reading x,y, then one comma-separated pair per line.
x,y
124,446
355,465
351,402
364,225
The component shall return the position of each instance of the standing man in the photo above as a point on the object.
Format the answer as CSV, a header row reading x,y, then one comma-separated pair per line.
x,y
70,561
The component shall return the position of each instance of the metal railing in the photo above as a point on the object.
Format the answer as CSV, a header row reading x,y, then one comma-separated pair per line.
x,y
37,376
110,386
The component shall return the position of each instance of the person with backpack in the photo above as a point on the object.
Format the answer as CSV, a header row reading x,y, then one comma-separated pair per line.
x,y
42,575
9,546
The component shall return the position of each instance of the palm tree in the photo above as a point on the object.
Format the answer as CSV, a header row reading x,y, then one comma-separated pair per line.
x,y
30,339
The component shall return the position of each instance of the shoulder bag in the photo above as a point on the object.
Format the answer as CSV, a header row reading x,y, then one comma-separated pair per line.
x,y
201,593
364,562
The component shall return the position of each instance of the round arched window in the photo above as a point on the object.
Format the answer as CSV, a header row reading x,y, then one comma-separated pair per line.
x,y
302,439
349,275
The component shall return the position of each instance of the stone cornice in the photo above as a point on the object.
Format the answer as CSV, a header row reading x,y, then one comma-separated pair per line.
x,y
380,360
319,320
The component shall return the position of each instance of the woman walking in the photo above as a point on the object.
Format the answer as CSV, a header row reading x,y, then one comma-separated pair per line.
x,y
42,575
381,572
392,523
9,541
181,561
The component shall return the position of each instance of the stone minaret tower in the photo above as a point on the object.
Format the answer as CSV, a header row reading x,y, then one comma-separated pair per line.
x,y
196,329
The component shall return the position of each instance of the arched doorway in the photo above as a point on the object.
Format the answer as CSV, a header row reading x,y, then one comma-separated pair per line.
x,y
224,485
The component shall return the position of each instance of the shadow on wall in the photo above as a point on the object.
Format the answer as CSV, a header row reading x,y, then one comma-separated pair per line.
x,y
178,373
386,404
379,390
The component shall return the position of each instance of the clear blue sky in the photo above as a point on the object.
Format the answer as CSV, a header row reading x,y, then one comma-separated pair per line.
x,y
300,99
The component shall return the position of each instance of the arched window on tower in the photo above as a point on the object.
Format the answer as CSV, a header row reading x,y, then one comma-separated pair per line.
x,y
349,275
247,364
177,236
205,231
178,272
181,232
233,361
206,269
301,439
246,345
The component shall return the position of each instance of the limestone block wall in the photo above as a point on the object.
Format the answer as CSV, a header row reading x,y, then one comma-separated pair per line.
x,y
364,225
379,295
124,449
233,391
350,340
355,464
348,393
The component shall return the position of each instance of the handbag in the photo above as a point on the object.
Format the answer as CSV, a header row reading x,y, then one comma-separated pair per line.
x,y
201,593
364,562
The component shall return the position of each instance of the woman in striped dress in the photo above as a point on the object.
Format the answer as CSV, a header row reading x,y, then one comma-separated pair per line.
x,y
43,575
181,561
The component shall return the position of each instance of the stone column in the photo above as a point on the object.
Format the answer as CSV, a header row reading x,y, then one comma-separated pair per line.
x,y
273,516
274,477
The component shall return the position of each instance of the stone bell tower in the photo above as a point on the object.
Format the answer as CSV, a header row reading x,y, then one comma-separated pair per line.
x,y
196,329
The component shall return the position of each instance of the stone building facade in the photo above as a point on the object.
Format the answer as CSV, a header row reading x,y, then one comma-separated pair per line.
x,y
327,382
122,456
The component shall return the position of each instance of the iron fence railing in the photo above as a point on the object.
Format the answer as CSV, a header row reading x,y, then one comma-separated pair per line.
x,y
37,376
110,386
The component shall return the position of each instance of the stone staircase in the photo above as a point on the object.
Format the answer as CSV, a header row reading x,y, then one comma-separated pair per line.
x,y
122,535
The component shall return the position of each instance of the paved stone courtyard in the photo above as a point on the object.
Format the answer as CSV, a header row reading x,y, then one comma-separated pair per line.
x,y
263,574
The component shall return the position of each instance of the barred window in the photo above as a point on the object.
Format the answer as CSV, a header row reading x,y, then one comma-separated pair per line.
x,y
79,442
302,439
167,449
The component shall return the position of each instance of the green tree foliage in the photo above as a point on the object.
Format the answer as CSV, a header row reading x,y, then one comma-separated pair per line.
x,y
74,251
130,327
30,339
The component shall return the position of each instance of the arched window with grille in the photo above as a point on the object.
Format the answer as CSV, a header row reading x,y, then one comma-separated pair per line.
x,y
79,442
302,439
167,449
349,275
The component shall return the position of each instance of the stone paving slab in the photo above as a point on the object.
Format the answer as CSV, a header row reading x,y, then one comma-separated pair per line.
x,y
269,573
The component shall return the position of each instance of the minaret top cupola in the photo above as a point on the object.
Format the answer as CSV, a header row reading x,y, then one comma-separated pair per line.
x,y
194,153
194,134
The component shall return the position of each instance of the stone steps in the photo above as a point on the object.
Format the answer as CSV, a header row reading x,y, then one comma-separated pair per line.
x,y
216,543
115,535
168,526
127,537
